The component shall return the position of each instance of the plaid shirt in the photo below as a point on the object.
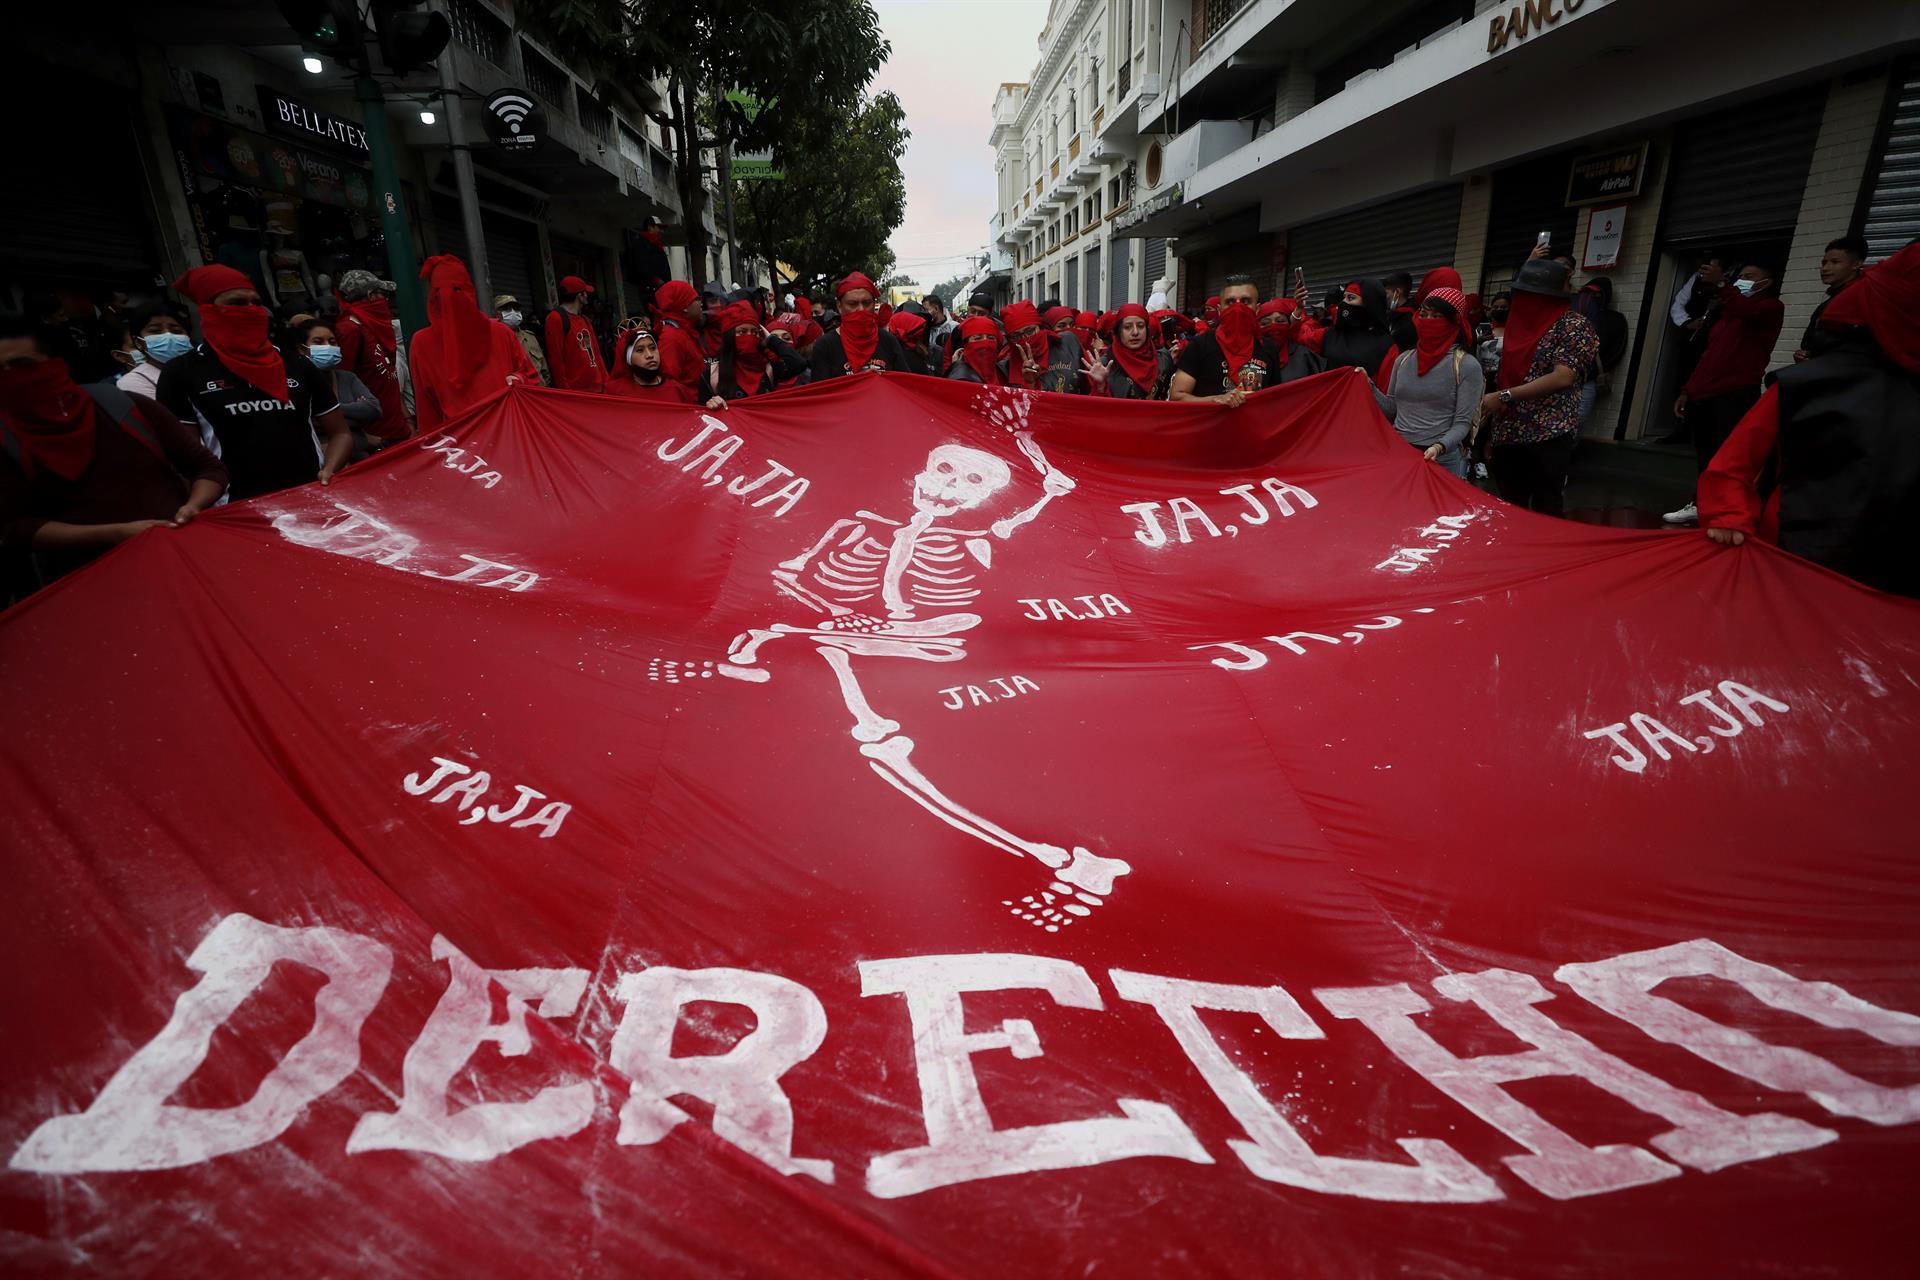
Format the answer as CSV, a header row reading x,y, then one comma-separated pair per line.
x,y
1570,341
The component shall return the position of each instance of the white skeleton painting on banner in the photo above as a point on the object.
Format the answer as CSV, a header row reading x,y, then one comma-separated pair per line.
x,y
881,587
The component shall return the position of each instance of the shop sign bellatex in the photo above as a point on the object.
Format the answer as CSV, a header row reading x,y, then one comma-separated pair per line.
x,y
294,119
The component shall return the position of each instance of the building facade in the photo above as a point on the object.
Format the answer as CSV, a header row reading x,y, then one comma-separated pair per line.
x,y
1066,145
1336,139
194,134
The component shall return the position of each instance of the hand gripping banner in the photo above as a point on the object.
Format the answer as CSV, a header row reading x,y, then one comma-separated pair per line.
x,y
903,828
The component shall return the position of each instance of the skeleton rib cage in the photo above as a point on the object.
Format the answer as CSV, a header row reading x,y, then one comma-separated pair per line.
x,y
937,576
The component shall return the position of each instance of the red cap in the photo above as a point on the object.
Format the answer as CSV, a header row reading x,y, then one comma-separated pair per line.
x,y
856,280
570,285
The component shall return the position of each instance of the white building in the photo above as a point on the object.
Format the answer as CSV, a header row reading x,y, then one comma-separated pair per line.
x,y
1357,137
1065,147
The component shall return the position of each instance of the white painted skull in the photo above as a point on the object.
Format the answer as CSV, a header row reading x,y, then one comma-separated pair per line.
x,y
958,478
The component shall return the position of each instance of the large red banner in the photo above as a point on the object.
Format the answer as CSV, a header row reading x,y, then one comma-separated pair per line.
x,y
900,828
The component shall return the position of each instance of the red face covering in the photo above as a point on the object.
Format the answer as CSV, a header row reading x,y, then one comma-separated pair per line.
x,y
980,348
859,336
50,415
1212,312
466,358
1437,337
1015,316
1529,319
1886,300
375,315
1280,332
238,335
1235,334
1141,364
749,353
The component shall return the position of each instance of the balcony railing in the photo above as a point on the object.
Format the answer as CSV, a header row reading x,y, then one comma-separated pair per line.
x,y
1073,151
1212,15
478,30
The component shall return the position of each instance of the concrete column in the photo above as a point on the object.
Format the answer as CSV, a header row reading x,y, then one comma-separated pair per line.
x,y
1470,248
1840,160
1293,91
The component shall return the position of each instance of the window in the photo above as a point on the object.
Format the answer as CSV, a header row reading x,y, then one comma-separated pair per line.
x,y
477,29
597,119
1095,215
545,79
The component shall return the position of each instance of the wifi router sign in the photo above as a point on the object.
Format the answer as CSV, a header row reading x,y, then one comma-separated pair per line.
x,y
513,121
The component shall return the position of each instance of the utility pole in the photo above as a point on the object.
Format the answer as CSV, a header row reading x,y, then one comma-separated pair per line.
x,y
387,196
451,103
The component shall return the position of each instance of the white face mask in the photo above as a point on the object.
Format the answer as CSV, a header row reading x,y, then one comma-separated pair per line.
x,y
1746,287
511,319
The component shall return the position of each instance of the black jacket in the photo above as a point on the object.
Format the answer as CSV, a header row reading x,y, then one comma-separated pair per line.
x,y
830,357
1360,339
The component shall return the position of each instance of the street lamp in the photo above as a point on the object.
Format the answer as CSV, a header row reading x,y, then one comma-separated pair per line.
x,y
312,64
426,117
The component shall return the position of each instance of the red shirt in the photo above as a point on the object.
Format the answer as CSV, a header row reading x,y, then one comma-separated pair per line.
x,y
363,358
573,353
681,358
435,399
666,390
1738,347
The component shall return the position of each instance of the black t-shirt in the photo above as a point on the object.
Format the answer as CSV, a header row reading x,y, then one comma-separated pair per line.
x,y
267,445
1207,364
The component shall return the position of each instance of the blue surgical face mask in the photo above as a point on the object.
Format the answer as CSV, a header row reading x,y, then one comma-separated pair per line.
x,y
511,319
139,356
1746,287
323,356
163,347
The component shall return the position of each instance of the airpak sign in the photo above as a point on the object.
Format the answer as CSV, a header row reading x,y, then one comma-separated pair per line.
x,y
1607,176
296,119
1524,20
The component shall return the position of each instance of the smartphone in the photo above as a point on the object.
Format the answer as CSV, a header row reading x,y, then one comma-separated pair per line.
x,y
1545,237
1299,277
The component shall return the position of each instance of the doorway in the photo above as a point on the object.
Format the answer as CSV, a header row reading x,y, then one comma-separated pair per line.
x,y
1677,351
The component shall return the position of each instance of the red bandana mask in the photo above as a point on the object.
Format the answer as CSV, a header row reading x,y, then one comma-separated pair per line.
x,y
51,417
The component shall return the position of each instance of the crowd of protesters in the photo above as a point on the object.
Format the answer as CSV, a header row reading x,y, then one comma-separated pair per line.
x,y
119,421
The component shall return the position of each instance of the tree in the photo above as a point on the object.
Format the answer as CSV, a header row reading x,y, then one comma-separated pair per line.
x,y
839,203
798,66
950,290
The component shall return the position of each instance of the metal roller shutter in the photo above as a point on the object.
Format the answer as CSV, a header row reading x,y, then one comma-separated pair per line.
x,y
1153,263
1119,271
1092,290
1072,278
1742,172
1412,233
1527,199
1893,208
510,249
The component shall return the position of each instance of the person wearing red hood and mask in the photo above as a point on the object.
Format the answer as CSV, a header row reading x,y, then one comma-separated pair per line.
x,y
1210,314
1295,340
1029,345
1086,325
273,414
573,349
1232,359
1134,368
370,349
789,339
976,350
745,367
679,319
463,357
1066,353
858,344
84,468
1171,330
911,329
1841,430
1433,391
639,375
1535,410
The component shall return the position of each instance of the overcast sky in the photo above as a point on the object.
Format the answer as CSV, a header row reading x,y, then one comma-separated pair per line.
x,y
949,58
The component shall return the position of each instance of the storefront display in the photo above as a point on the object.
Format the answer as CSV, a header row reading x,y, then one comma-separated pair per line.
x,y
290,218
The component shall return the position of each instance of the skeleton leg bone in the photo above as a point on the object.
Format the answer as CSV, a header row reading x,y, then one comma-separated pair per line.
x,y
1085,875
868,725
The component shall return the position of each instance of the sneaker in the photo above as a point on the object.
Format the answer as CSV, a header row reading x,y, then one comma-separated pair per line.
x,y
1685,515
1479,471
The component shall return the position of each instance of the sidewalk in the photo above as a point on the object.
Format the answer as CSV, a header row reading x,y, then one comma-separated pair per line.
x,y
1628,484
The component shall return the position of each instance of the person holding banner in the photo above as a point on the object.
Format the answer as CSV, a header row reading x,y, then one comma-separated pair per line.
x,y
859,344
